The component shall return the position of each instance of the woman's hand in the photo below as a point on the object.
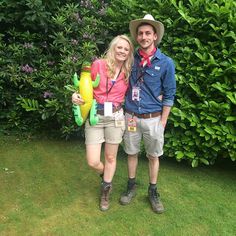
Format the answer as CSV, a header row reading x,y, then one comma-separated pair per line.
x,y
76,99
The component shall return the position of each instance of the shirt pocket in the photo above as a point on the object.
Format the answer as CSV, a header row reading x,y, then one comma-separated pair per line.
x,y
153,78
153,73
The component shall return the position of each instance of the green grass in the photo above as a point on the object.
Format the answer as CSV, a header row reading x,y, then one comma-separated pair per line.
x,y
46,188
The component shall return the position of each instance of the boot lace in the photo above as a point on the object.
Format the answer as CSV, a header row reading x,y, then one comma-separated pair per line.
x,y
106,193
155,195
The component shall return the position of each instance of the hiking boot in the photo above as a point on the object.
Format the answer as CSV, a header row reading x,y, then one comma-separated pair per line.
x,y
104,202
154,198
128,195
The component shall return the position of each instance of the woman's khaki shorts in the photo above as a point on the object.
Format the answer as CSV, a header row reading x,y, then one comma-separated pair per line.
x,y
105,130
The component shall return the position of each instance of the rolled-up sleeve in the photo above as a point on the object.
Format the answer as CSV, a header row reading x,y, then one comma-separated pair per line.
x,y
169,84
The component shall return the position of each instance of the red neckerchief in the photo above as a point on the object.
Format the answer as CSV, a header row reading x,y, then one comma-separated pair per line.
x,y
146,57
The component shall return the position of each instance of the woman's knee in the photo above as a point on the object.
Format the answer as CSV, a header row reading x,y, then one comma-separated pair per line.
x,y
110,158
93,163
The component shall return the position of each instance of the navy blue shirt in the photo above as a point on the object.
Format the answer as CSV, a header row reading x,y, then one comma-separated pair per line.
x,y
152,81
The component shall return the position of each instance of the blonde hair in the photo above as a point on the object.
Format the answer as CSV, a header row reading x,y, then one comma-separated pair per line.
x,y
110,57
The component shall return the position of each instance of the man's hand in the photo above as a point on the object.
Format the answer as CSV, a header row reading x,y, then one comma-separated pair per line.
x,y
165,115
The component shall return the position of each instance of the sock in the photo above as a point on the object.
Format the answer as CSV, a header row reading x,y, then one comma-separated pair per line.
x,y
152,186
131,182
106,184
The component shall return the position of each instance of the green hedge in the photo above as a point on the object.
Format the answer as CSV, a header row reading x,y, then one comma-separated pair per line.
x,y
42,44
200,37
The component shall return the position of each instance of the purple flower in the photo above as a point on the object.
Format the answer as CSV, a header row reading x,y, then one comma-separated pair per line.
x,y
44,44
86,36
51,63
74,58
102,12
27,69
86,4
105,33
28,45
94,58
77,17
47,94
74,42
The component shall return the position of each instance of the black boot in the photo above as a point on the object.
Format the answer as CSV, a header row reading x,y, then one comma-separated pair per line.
x,y
129,194
154,198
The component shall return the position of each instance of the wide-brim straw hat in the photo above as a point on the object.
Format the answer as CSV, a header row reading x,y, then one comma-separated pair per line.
x,y
148,18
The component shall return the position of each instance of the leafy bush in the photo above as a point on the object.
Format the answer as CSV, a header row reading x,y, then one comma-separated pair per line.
x,y
41,48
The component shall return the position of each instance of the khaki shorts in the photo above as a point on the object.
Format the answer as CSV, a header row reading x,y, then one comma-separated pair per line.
x,y
152,132
106,130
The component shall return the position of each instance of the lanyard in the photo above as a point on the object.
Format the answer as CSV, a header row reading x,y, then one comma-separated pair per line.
x,y
109,90
140,75
140,79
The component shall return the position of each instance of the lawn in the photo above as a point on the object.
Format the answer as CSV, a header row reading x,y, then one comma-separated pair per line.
x,y
48,189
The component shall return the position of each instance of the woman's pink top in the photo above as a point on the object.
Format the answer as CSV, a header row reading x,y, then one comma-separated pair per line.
x,y
116,94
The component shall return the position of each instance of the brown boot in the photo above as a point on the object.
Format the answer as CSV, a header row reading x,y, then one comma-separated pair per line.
x,y
104,202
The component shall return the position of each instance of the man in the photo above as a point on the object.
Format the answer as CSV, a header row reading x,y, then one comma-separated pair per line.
x,y
148,104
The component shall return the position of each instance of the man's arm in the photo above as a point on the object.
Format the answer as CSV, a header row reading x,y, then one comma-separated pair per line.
x,y
165,115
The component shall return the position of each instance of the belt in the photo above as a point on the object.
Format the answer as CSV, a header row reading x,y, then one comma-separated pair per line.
x,y
146,115
114,109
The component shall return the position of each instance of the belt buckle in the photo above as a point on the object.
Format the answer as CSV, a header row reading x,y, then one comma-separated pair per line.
x,y
147,115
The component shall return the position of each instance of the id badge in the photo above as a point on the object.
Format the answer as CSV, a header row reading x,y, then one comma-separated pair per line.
x,y
132,125
107,108
119,123
135,94
119,118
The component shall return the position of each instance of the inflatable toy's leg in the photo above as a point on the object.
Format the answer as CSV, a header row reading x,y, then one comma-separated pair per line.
x,y
93,113
77,114
75,80
96,82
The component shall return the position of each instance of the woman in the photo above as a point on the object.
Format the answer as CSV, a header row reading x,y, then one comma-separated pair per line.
x,y
114,70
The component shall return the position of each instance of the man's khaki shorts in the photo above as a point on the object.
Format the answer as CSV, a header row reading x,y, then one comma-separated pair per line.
x,y
152,132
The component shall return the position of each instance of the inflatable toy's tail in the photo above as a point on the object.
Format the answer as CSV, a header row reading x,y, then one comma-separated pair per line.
x,y
77,114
